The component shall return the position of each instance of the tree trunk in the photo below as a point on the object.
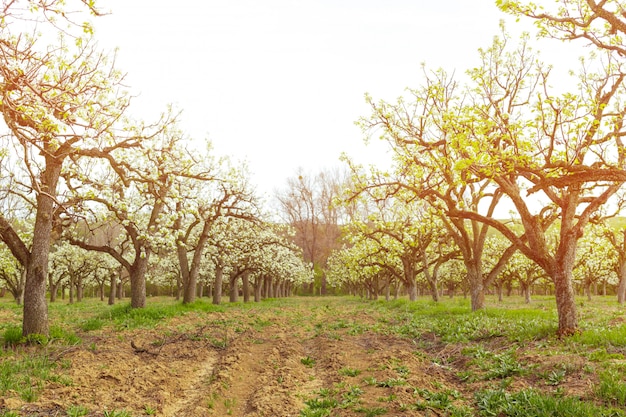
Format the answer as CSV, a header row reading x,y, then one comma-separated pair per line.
x,y
113,286
258,283
565,303
411,288
217,288
138,282
245,279
269,288
35,318
434,292
588,290
53,292
102,290
525,287
476,287
234,288
621,288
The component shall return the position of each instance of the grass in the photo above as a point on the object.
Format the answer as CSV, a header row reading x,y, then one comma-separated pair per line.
x,y
531,403
505,343
26,375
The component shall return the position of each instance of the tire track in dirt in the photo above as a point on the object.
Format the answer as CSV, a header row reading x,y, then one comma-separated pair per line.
x,y
260,375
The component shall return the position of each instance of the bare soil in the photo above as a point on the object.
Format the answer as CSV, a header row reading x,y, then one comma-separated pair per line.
x,y
257,362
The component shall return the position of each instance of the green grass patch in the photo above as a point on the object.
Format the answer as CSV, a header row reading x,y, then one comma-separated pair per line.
x,y
26,375
12,336
531,403
611,389
126,317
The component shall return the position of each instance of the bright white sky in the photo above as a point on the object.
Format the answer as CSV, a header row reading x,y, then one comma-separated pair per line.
x,y
280,83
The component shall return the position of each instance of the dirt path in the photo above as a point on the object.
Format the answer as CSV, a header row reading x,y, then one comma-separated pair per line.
x,y
253,363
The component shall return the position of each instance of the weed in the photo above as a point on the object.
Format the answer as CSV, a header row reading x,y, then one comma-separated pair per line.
x,y
351,397
91,324
505,365
25,376
62,334
308,362
76,411
229,404
391,382
36,339
387,399
371,412
349,372
530,403
370,380
210,402
149,410
12,336
440,400
402,370
611,389
116,413
555,377
319,407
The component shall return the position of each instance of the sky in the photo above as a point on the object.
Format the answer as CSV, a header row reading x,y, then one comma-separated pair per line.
x,y
280,83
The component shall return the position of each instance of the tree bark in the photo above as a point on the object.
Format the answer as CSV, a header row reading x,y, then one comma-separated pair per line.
x,y
476,287
245,279
53,292
217,288
526,291
411,288
588,290
113,286
138,282
234,288
258,283
621,288
269,290
565,303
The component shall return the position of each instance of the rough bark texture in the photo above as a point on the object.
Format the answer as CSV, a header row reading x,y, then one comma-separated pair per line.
x,y
138,283
217,289
35,320
245,279
258,283
411,288
234,289
113,286
476,287
565,303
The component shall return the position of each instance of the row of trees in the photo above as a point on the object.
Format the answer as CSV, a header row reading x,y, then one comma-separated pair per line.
x,y
76,169
415,255
503,136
